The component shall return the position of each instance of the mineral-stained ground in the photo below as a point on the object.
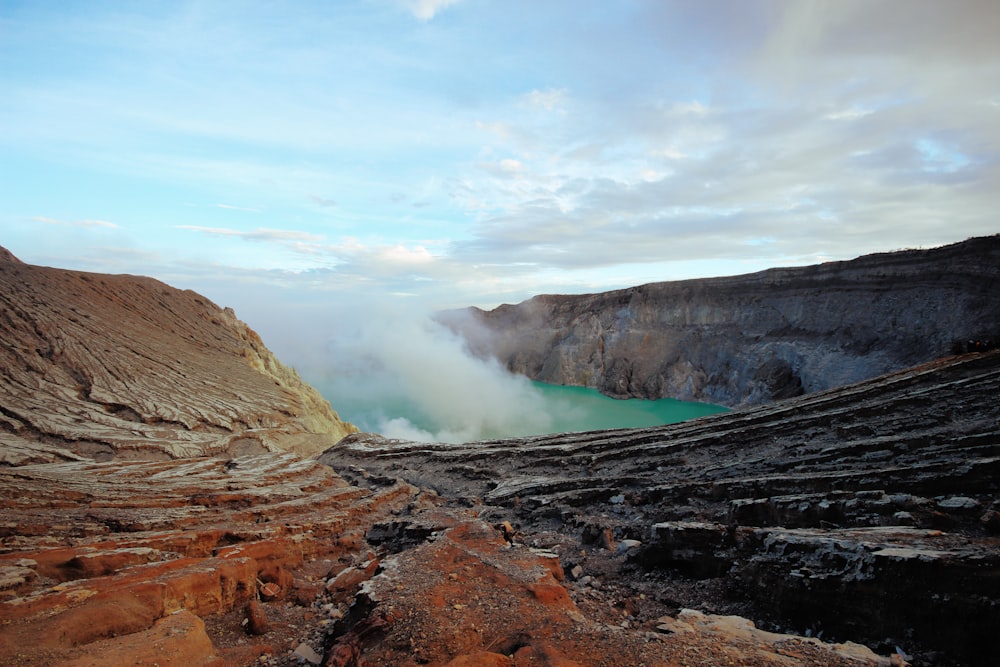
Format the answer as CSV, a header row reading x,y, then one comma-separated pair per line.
x,y
854,526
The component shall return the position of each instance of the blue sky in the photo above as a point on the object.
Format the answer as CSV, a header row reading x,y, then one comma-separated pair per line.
x,y
473,152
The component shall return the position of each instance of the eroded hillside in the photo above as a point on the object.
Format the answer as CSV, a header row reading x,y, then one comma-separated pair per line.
x,y
112,366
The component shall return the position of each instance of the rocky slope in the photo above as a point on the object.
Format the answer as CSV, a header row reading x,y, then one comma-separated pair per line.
x,y
750,339
271,559
102,367
868,512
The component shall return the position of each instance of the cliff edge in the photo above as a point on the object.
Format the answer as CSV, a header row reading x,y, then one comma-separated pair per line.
x,y
747,340
124,367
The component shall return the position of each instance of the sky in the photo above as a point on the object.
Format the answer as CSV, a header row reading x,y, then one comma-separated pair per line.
x,y
287,158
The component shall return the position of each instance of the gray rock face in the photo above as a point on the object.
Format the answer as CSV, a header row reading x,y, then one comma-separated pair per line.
x,y
750,339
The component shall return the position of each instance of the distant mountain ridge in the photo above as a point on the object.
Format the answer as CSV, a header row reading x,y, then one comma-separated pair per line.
x,y
750,339
102,367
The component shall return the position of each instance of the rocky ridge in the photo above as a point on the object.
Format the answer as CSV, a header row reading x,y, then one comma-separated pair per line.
x,y
116,367
747,340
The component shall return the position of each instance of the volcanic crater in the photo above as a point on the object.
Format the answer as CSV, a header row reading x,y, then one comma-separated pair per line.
x,y
170,494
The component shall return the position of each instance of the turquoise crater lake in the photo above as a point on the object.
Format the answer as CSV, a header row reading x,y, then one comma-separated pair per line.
x,y
592,410
478,413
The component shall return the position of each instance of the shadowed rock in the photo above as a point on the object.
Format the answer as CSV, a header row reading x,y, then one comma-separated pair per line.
x,y
868,511
751,339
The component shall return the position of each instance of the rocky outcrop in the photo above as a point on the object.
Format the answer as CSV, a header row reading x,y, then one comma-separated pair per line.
x,y
162,562
124,367
272,559
751,339
866,513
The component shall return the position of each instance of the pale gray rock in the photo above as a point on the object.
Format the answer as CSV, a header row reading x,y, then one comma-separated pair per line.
x,y
306,653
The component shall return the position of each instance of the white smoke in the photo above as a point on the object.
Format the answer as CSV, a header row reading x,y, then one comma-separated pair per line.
x,y
402,374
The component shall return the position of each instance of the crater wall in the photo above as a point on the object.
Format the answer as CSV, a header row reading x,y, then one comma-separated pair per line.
x,y
747,340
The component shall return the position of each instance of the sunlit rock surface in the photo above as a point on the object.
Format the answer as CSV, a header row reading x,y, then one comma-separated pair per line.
x,y
747,340
125,367
91,553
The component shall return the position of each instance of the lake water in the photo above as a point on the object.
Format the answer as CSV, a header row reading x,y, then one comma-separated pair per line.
x,y
593,410
536,409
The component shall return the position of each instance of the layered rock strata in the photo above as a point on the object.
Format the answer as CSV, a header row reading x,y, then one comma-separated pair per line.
x,y
868,512
124,367
140,562
751,339
272,559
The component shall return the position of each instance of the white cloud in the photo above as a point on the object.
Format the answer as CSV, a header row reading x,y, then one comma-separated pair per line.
x,y
76,223
852,113
323,201
231,207
425,10
381,159
259,234
401,255
511,166
693,108
552,99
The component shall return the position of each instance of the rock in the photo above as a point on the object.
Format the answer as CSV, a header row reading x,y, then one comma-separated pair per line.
x,y
991,520
307,592
958,503
256,618
695,548
507,530
669,625
480,659
351,577
176,639
14,577
116,546
751,339
305,652
786,511
904,519
605,540
627,545
550,594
